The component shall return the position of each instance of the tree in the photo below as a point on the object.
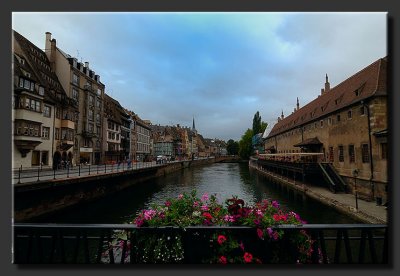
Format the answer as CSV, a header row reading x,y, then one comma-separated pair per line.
x,y
256,123
264,125
245,146
232,147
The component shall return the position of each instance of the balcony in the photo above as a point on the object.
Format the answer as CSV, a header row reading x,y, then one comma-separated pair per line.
x,y
64,144
26,143
65,123
88,88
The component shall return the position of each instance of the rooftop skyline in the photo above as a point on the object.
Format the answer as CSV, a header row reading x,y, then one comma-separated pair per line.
x,y
219,68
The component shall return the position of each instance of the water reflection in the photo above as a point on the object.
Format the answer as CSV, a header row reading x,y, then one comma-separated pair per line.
x,y
224,179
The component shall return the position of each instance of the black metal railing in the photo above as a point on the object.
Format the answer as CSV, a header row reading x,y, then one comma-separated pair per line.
x,y
96,243
41,173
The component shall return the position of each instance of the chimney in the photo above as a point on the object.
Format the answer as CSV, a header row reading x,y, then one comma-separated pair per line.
x,y
47,44
327,84
87,65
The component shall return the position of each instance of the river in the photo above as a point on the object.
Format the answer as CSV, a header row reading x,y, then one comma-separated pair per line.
x,y
223,179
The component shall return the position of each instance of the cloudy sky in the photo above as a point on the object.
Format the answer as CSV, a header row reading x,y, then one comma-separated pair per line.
x,y
218,67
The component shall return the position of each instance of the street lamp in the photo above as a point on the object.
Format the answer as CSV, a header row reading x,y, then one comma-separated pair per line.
x,y
355,174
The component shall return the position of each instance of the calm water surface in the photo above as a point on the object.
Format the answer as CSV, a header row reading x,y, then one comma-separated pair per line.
x,y
223,179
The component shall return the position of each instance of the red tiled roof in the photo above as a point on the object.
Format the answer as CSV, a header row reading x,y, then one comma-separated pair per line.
x,y
369,81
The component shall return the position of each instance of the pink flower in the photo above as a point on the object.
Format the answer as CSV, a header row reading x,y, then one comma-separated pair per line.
x,y
247,257
149,214
204,197
180,196
270,231
260,233
222,260
229,218
259,212
275,204
204,208
241,245
195,204
221,239
167,203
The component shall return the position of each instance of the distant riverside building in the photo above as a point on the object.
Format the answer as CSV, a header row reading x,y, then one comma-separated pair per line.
x,y
43,125
348,124
83,85
116,127
140,137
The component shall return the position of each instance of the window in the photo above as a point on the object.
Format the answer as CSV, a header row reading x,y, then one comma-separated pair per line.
x,y
349,114
338,117
91,100
341,156
57,134
90,114
352,157
58,113
98,118
75,94
365,153
98,92
331,159
384,150
322,123
98,130
362,110
91,128
109,135
45,132
98,103
329,121
109,125
47,111
41,90
75,79
117,136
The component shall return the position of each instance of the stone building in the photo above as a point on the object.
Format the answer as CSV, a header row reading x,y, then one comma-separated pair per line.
x,y
43,126
83,85
348,124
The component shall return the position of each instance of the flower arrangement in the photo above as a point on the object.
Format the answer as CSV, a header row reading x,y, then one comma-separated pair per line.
x,y
226,246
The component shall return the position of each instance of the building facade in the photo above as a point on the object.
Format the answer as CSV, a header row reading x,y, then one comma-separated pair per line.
x,y
41,135
83,85
348,124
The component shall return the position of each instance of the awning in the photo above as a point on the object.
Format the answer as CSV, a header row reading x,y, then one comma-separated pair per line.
x,y
309,142
381,133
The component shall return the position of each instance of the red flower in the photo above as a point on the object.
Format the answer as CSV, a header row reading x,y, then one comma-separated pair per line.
x,y
247,257
260,233
207,215
222,260
276,217
221,239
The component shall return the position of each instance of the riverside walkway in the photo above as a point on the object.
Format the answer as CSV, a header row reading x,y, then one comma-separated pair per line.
x,y
367,211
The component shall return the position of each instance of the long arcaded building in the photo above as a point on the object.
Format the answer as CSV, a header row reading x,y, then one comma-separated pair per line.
x,y
348,123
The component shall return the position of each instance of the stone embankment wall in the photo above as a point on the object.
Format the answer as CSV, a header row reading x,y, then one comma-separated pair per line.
x,y
35,199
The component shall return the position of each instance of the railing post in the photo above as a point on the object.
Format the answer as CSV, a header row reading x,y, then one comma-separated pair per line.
x,y
89,168
79,170
54,173
68,171
38,172
105,167
19,175
97,172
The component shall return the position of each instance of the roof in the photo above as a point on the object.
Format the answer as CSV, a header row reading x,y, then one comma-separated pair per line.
x,y
309,142
113,110
368,82
40,66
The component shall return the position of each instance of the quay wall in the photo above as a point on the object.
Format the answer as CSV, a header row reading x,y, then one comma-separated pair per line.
x,y
324,199
35,199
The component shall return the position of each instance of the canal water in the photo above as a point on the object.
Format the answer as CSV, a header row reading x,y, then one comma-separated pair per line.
x,y
223,179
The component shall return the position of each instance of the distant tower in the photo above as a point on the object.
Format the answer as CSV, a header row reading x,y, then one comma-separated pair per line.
x,y
327,84
282,116
297,105
193,127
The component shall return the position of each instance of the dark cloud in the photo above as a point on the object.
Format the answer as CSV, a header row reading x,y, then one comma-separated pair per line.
x,y
218,67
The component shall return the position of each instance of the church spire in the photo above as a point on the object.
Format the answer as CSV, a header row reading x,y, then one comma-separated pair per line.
x,y
327,84
297,105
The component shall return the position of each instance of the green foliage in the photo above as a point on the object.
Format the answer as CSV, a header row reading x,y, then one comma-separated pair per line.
x,y
245,146
232,147
256,123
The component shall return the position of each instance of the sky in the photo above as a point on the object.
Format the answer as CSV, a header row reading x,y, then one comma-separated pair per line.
x,y
220,68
